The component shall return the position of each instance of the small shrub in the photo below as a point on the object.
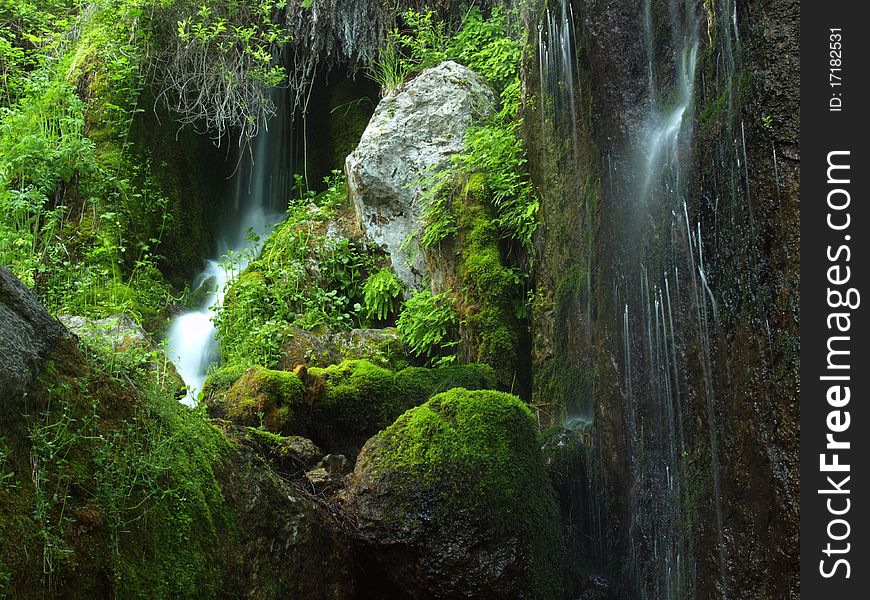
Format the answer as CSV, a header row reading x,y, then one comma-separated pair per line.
x,y
428,326
304,277
381,293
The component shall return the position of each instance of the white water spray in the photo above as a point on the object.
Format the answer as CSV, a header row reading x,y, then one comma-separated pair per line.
x,y
256,203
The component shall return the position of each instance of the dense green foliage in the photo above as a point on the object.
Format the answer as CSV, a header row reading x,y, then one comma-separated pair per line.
x,y
127,465
483,44
80,217
428,325
306,276
381,293
489,47
83,215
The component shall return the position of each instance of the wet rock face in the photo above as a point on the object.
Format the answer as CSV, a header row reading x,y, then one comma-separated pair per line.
x,y
413,132
288,544
27,335
453,501
739,408
755,275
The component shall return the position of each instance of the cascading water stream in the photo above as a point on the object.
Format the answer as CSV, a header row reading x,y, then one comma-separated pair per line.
x,y
255,204
666,325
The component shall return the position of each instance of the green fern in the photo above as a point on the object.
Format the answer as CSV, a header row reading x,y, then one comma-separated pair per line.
x,y
381,294
428,326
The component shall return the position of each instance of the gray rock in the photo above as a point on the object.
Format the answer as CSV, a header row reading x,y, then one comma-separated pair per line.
x,y
289,455
116,332
412,134
27,335
336,464
303,448
328,475
382,347
120,333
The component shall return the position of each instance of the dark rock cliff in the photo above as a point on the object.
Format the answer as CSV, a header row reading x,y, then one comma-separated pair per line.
x,y
695,420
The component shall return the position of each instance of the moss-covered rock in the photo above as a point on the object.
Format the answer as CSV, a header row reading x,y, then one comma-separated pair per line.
x,y
137,351
491,287
263,396
382,347
453,500
147,500
339,407
110,488
471,265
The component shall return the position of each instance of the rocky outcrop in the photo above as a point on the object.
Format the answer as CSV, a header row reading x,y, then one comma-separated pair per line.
x,y
453,501
413,132
679,472
289,547
145,498
120,333
338,407
27,335
382,347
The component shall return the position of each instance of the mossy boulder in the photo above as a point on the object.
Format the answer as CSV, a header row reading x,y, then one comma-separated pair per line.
x,y
27,335
339,407
382,347
453,501
264,397
110,488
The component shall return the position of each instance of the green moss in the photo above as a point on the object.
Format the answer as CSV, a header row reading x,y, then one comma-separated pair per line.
x,y
223,378
267,397
305,277
121,497
562,385
339,407
490,287
358,398
478,452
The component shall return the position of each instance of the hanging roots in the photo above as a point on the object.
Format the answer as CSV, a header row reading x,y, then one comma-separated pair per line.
x,y
216,63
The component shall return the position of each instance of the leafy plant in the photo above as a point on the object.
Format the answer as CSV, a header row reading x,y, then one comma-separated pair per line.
x,y
7,478
428,326
305,276
488,46
223,63
494,147
388,71
381,293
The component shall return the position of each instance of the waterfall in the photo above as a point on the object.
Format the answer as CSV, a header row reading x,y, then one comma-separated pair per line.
x,y
667,308
256,200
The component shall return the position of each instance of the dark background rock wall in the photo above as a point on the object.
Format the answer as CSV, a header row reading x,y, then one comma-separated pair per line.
x,y
747,204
